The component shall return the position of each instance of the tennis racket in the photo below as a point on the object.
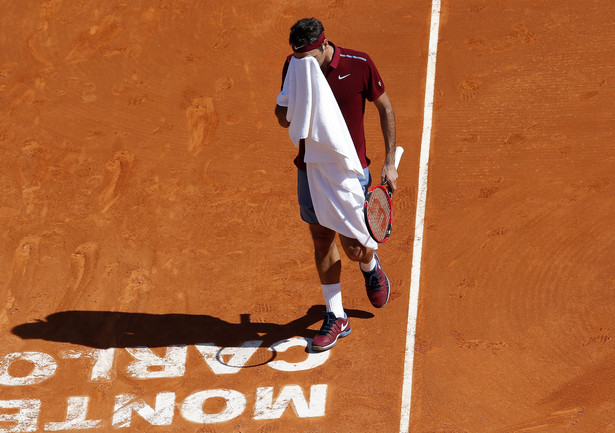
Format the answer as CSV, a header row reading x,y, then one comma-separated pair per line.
x,y
378,208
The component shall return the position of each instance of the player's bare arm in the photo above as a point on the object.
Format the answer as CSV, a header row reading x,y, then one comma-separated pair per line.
x,y
387,123
280,113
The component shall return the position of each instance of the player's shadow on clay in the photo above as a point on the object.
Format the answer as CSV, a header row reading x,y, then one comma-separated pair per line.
x,y
107,329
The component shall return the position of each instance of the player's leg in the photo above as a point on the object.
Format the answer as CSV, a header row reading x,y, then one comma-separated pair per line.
x,y
329,267
326,255
377,284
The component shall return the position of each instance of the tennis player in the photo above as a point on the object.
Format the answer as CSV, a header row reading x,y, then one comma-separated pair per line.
x,y
353,78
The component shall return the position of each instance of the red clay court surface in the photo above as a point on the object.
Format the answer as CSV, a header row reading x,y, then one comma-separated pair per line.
x,y
154,271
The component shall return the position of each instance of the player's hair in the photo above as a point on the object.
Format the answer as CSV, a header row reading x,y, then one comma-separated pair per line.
x,y
305,31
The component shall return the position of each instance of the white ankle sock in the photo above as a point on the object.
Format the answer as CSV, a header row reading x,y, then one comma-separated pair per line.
x,y
368,266
333,298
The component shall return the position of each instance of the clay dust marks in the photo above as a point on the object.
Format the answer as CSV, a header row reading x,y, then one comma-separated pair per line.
x,y
578,190
519,34
25,262
41,38
593,93
28,98
6,71
273,23
282,19
564,418
118,170
467,89
30,196
478,344
202,123
137,287
93,39
223,86
491,189
602,336
82,264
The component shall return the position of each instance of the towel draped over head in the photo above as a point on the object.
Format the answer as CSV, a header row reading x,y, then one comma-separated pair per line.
x,y
333,166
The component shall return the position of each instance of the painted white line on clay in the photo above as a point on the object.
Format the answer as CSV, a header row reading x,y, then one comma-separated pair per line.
x,y
406,399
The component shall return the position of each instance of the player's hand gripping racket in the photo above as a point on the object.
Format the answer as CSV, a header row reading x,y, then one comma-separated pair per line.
x,y
378,207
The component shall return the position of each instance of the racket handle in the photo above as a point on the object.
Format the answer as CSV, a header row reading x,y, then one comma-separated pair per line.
x,y
398,153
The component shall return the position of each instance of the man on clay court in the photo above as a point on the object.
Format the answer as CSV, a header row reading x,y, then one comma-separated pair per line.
x,y
353,78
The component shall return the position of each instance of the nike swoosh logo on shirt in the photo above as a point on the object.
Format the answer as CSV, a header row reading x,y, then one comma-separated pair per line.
x,y
339,77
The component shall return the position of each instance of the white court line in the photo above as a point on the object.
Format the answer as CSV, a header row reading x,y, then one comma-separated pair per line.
x,y
419,224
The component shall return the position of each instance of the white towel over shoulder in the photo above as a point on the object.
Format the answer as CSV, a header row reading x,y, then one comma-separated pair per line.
x,y
333,166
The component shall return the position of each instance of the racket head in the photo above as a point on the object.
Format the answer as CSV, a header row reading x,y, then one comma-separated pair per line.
x,y
378,210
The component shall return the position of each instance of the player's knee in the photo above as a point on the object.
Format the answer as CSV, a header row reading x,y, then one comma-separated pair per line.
x,y
355,252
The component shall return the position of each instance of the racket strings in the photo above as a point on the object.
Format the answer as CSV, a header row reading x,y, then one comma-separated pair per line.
x,y
379,213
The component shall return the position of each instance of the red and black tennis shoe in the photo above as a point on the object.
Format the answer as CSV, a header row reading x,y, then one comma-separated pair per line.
x,y
332,329
377,285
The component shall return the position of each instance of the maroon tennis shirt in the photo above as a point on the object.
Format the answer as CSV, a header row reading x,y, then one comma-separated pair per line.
x,y
353,78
